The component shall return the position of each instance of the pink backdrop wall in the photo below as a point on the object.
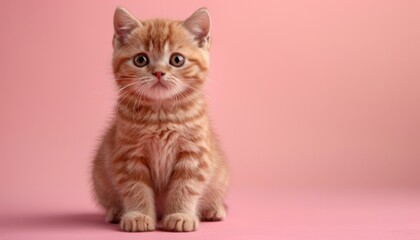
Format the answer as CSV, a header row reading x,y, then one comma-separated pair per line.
x,y
302,93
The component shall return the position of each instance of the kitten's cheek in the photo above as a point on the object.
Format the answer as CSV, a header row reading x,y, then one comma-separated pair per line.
x,y
182,87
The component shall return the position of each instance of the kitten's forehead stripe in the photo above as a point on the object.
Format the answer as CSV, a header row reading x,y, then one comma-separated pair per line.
x,y
166,47
157,34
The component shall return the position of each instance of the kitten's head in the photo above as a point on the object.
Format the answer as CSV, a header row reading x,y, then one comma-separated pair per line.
x,y
161,59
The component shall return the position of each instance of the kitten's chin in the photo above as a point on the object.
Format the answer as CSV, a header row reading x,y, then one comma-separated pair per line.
x,y
160,92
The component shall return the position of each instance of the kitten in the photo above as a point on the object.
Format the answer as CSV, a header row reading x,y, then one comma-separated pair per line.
x,y
160,158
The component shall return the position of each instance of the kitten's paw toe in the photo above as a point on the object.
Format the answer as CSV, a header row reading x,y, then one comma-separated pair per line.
x,y
180,222
113,215
137,222
213,214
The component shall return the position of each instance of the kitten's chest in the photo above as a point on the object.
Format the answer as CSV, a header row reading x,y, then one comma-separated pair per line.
x,y
162,147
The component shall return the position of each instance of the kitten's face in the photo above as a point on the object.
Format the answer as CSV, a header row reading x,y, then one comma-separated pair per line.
x,y
160,59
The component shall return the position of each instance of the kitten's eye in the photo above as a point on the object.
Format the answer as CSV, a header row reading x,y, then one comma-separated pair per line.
x,y
141,60
177,60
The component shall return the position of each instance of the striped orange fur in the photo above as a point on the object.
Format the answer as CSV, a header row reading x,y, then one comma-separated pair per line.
x,y
160,158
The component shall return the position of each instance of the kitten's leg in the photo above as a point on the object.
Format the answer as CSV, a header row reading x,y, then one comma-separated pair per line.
x,y
105,193
113,214
185,188
211,205
135,186
216,212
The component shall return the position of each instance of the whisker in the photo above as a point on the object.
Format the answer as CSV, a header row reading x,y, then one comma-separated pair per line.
x,y
128,85
142,91
130,78
124,95
138,95
138,101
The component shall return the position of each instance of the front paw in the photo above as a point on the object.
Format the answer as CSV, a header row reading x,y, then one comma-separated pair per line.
x,y
180,222
137,222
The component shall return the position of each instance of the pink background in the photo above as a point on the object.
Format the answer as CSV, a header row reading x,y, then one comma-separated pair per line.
x,y
307,96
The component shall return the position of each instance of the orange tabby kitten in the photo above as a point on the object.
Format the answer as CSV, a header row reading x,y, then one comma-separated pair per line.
x,y
160,157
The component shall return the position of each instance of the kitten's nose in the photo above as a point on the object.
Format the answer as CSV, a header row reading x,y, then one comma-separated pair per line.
x,y
158,74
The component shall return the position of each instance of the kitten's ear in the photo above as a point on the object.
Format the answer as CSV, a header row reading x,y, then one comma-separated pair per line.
x,y
199,25
124,23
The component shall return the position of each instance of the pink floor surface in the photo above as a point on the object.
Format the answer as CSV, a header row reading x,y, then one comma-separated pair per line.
x,y
252,215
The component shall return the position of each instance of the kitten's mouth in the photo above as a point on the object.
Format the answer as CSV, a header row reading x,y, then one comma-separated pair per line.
x,y
159,84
